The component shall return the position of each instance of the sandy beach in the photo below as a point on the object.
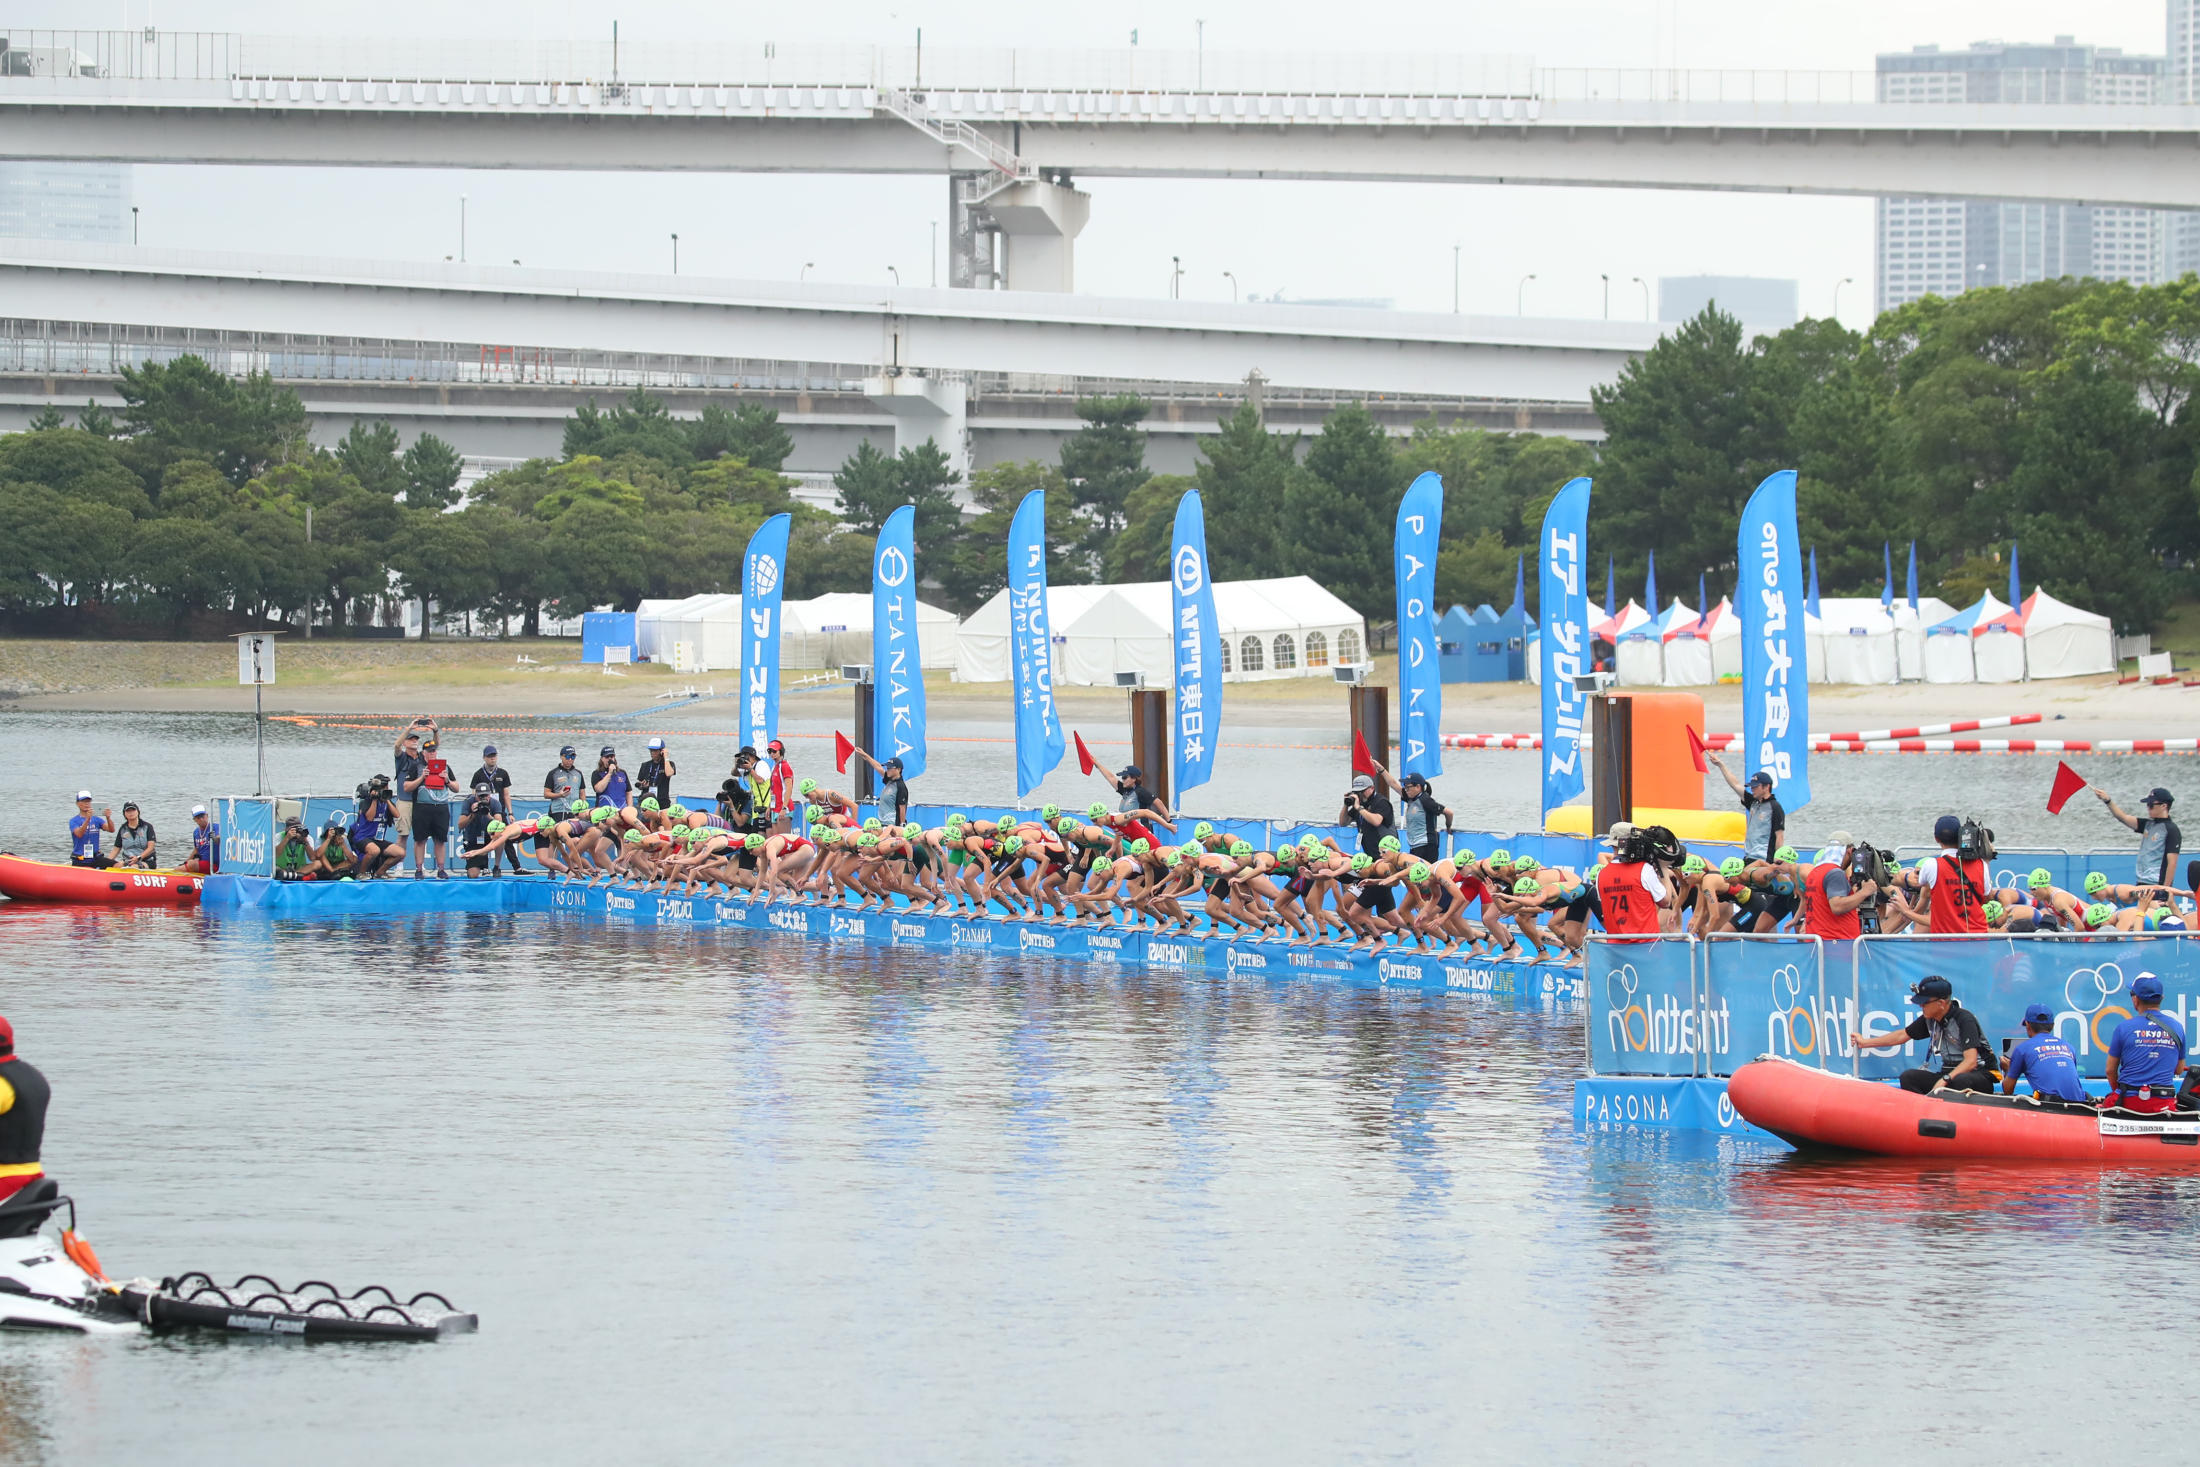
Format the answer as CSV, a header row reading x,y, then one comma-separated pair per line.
x,y
546,678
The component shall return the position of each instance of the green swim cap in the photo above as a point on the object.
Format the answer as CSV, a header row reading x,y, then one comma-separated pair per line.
x,y
633,837
1171,856
1787,855
2099,912
599,815
1095,810
2161,914
1202,830
911,831
496,827
874,823
1141,847
1526,863
676,809
752,842
958,818
1241,848
1501,858
1387,844
1526,886
1050,813
1924,864
649,802
1462,857
578,806
2040,878
806,787
1311,844
1993,911
2095,883
1287,854
868,839
1694,866
1010,845
814,814
1731,867
1067,825
1417,872
1362,861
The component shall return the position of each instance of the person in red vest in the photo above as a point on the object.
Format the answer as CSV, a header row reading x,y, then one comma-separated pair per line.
x,y
23,1096
1830,899
1631,892
1957,887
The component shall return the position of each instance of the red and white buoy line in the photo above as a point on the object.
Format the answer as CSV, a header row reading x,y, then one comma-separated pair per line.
x,y
1924,739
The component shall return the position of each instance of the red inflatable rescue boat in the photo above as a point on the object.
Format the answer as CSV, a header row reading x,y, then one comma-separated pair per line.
x,y
52,881
1816,1111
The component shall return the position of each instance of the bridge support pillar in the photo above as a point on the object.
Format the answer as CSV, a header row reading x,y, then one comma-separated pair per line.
x,y
1039,225
1020,238
937,408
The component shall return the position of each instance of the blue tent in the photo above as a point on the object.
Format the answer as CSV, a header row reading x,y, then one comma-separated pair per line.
x,y
1455,633
601,629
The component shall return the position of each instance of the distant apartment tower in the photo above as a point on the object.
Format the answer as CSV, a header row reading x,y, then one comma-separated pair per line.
x,y
1930,246
2182,247
83,203
1757,302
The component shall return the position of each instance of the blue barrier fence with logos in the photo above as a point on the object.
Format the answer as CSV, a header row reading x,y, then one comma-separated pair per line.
x,y
1680,1006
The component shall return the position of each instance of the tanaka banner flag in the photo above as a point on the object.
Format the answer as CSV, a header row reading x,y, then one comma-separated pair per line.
x,y
1562,596
1197,639
1039,744
1420,681
763,578
1775,683
897,661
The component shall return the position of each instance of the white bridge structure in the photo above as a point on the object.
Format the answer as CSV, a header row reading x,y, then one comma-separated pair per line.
x,y
495,358
1013,130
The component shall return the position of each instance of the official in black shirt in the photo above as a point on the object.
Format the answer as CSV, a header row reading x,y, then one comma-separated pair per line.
x,y
893,790
1134,798
655,775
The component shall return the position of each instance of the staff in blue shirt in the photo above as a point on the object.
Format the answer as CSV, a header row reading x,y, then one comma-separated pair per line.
x,y
206,843
2145,1053
85,829
2048,1062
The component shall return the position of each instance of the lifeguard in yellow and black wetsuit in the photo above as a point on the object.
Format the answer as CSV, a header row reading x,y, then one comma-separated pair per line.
x,y
23,1096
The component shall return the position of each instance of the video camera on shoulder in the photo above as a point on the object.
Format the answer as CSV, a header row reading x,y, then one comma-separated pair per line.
x,y
1974,842
1655,845
1870,863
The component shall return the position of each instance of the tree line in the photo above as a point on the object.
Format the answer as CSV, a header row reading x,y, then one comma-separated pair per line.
x,y
2055,415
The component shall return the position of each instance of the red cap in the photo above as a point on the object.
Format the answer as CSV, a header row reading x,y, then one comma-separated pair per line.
x,y
7,1037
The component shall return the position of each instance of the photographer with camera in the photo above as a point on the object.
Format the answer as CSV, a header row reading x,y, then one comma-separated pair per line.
x,y
1956,878
1835,891
1367,810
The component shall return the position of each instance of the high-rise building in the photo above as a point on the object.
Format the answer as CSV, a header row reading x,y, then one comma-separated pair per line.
x,y
86,203
1932,246
1754,300
2182,246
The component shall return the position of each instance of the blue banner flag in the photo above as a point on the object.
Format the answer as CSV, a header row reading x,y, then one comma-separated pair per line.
x,y
1197,634
1913,575
1650,586
763,577
1812,601
1775,679
1886,586
897,662
1520,586
1703,597
1608,605
1562,592
1420,681
2016,588
1031,640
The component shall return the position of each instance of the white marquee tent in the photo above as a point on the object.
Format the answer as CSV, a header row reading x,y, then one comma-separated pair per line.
x,y
1690,647
1285,627
835,629
2062,641
1909,633
1859,639
1948,651
708,626
646,615
1638,659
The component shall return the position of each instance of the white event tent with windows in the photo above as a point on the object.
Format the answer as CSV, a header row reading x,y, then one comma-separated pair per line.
x,y
834,630
1289,626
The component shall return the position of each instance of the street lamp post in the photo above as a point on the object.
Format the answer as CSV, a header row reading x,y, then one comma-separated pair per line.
x,y
1226,275
461,229
1844,280
133,224
806,269
896,274
1520,296
1638,280
675,251
1200,82
1176,274
1607,296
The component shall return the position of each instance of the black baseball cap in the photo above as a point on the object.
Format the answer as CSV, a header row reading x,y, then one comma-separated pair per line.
x,y
568,752
609,752
488,751
2159,796
892,761
1763,777
1130,771
1928,989
1406,779
1947,828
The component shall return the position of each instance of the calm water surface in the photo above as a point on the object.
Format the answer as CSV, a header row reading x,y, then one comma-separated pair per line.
x,y
736,1195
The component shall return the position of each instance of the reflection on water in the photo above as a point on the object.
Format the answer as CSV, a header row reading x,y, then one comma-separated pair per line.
x,y
737,1196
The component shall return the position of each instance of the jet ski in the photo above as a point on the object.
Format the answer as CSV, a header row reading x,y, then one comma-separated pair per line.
x,y
54,1281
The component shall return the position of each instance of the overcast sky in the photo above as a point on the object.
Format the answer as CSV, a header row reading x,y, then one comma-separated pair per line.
x,y
1309,240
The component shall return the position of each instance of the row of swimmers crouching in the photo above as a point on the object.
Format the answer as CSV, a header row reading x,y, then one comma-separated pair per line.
x,y
1104,868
